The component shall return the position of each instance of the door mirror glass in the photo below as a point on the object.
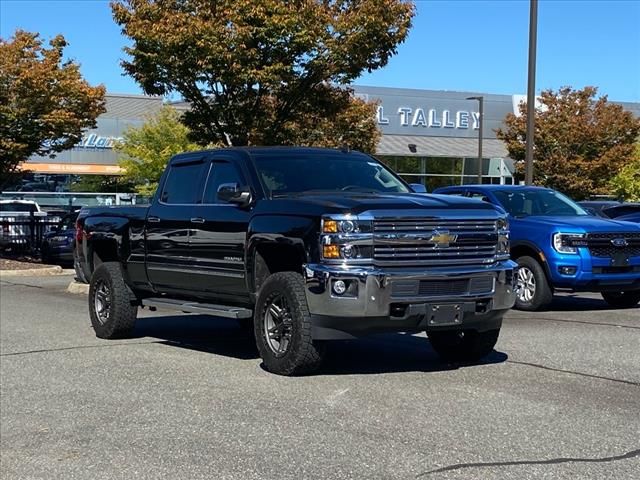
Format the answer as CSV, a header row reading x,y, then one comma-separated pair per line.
x,y
233,193
418,188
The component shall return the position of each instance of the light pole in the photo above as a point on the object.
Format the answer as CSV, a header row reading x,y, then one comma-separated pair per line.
x,y
531,91
481,121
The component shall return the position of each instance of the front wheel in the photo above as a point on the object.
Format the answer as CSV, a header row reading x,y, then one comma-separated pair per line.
x,y
282,326
112,311
463,345
622,299
533,290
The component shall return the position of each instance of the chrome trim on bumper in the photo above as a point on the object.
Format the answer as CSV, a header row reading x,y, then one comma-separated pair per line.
x,y
374,295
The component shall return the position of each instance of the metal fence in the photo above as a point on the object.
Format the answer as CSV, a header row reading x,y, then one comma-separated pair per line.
x,y
24,233
73,200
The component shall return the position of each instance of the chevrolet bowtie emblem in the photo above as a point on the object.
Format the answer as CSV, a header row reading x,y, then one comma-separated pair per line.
x,y
442,238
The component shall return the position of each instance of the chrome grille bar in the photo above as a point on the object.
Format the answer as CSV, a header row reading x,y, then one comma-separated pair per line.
x,y
408,242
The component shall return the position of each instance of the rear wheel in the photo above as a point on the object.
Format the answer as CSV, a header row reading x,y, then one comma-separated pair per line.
x,y
282,326
111,305
533,290
463,345
622,299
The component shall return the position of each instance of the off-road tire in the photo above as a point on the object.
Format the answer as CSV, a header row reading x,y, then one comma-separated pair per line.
x,y
302,355
543,295
463,345
122,314
622,299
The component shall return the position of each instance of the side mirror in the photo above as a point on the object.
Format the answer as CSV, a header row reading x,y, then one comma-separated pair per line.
x,y
233,193
418,188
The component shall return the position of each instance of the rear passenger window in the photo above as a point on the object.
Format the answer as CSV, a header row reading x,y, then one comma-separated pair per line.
x,y
183,183
221,173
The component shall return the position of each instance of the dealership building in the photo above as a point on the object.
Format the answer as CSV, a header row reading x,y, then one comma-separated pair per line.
x,y
428,136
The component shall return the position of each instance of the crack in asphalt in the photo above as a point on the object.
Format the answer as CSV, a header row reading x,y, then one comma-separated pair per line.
x,y
551,461
576,321
13,284
79,347
573,372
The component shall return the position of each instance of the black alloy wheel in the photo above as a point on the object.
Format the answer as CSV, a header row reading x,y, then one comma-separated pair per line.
x,y
282,326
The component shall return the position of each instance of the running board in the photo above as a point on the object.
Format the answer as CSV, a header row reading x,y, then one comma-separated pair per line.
x,y
195,307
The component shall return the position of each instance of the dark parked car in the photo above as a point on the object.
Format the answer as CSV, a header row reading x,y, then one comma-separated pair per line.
x,y
628,212
58,245
597,207
303,245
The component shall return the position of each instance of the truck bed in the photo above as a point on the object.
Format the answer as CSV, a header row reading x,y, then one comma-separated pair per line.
x,y
132,212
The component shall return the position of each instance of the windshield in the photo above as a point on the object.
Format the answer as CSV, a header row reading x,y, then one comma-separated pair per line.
x,y
17,207
521,203
285,174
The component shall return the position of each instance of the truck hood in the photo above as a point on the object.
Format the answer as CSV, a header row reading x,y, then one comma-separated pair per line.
x,y
577,223
356,202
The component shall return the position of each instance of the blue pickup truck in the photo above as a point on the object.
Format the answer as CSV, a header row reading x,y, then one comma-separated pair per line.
x,y
559,246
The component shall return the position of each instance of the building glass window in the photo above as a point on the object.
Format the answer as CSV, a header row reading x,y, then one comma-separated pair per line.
x,y
435,172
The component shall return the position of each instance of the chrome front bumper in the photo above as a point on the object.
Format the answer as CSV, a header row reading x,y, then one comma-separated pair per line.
x,y
375,288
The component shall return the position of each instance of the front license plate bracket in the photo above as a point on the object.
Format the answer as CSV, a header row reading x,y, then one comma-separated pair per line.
x,y
445,314
620,259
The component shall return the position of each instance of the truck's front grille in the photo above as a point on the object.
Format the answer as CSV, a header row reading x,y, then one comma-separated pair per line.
x,y
443,288
422,225
434,242
611,244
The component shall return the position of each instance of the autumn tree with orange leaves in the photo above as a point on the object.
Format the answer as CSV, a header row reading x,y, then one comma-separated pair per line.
x,y
581,142
45,103
265,72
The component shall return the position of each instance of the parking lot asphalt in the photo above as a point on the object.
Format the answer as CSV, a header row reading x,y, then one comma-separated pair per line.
x,y
188,399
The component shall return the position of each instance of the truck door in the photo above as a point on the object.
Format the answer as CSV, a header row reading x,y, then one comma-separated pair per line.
x,y
218,233
168,223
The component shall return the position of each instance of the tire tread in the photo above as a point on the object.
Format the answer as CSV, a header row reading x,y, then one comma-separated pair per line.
x,y
308,355
123,312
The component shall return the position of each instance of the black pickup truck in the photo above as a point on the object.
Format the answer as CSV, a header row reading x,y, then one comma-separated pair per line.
x,y
303,245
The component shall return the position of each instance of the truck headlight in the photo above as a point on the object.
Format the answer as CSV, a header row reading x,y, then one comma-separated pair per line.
x,y
339,226
568,242
346,238
504,246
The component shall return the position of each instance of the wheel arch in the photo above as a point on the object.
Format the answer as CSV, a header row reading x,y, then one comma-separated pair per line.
x,y
527,249
267,257
106,240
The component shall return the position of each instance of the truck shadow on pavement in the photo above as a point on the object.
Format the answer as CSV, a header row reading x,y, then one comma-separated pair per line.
x,y
375,354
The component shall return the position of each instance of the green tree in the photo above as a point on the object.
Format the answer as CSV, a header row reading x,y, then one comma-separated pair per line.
x,y
146,150
264,72
581,142
45,104
102,184
626,183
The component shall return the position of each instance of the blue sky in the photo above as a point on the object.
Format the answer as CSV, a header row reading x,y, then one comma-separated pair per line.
x,y
454,45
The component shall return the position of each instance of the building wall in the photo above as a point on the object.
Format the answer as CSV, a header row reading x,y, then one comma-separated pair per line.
x,y
94,153
427,135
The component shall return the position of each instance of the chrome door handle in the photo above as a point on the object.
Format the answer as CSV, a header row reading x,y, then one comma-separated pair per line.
x,y
153,219
197,220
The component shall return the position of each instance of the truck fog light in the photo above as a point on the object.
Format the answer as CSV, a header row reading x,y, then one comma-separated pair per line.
x,y
567,270
339,287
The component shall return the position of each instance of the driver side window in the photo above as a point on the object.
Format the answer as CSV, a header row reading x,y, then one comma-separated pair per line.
x,y
220,173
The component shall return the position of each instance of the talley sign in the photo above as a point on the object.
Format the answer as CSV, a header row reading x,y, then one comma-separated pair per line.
x,y
430,118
